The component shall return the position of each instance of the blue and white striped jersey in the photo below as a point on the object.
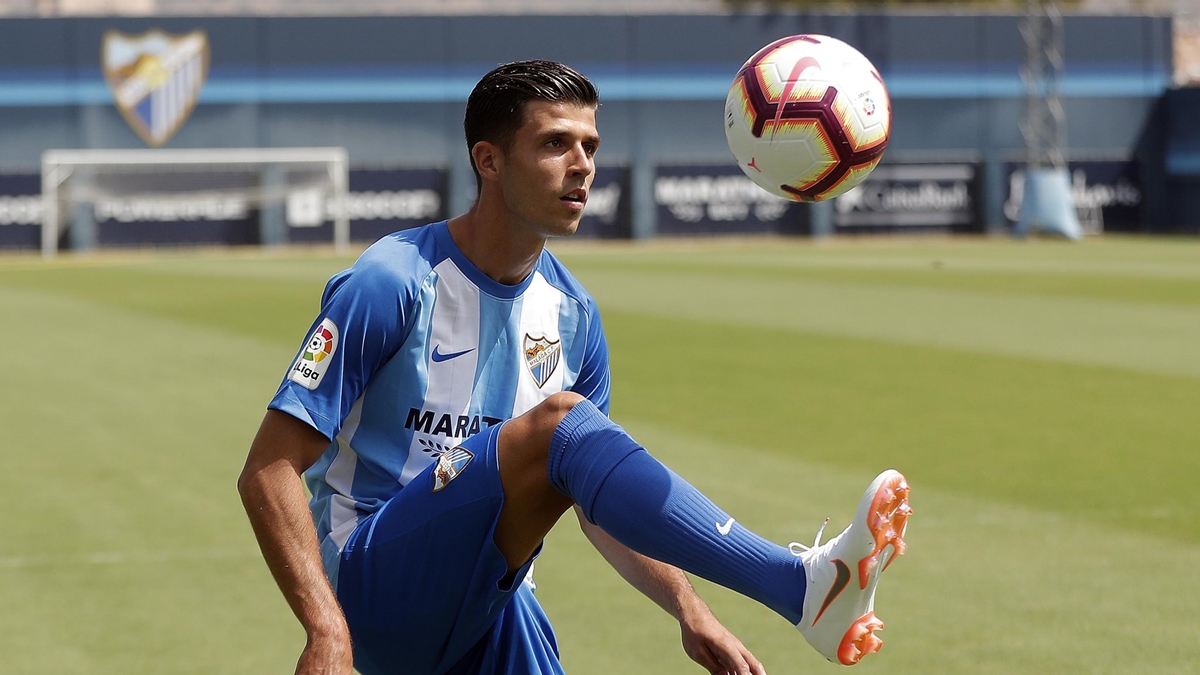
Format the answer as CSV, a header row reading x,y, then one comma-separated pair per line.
x,y
414,350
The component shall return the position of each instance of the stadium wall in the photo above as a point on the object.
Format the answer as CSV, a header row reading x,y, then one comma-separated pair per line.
x,y
391,90
1171,147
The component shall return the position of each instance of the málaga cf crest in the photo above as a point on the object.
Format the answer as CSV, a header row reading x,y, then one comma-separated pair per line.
x,y
541,355
155,79
450,465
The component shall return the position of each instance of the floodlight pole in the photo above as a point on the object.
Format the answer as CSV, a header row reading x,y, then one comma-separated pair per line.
x,y
1047,204
1044,127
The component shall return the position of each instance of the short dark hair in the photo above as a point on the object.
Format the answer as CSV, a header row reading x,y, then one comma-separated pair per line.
x,y
497,104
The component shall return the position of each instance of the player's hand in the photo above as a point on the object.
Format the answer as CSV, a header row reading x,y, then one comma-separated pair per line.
x,y
326,656
707,642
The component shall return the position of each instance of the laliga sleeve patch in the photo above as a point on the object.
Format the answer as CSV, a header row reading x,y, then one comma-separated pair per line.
x,y
318,352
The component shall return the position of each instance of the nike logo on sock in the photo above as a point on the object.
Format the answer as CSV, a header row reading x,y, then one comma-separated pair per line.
x,y
724,529
438,358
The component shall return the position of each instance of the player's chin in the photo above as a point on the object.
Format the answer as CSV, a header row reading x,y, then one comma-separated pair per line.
x,y
564,226
564,229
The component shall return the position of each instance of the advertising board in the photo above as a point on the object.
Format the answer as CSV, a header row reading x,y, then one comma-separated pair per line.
x,y
909,197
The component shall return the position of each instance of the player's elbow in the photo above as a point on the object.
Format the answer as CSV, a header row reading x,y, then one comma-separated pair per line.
x,y
244,481
249,481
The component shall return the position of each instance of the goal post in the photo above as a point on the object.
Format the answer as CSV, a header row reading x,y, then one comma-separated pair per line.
x,y
209,183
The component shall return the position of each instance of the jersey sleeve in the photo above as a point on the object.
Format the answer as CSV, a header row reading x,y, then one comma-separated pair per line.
x,y
361,324
594,379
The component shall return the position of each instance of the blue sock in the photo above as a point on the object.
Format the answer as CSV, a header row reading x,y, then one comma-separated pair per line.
x,y
647,507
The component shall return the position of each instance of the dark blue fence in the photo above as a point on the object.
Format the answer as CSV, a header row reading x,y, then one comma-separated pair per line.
x,y
391,89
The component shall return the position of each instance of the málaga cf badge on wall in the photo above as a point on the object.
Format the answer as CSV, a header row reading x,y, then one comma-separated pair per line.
x,y
155,79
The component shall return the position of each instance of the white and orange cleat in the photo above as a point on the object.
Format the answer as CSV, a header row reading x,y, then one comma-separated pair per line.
x,y
839,618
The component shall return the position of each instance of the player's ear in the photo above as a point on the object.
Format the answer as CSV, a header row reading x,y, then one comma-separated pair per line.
x,y
487,159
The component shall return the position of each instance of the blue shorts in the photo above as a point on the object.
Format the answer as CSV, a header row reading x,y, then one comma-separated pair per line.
x,y
422,583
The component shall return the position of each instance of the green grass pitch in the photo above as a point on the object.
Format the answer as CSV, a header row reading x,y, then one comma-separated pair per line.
x,y
1041,397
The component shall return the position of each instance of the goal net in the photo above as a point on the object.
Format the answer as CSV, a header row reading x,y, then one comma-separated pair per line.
x,y
114,198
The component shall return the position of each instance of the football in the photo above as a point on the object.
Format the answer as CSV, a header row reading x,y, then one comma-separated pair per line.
x,y
807,117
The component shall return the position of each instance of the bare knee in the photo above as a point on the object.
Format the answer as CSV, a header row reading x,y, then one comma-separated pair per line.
x,y
552,410
531,503
526,439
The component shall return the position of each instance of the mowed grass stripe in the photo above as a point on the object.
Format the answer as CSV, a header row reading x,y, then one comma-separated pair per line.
x,y
936,274
1111,445
126,434
1155,339
1123,270
1177,258
107,403
277,309
190,616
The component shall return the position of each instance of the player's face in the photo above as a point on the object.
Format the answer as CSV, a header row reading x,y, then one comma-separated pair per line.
x,y
548,169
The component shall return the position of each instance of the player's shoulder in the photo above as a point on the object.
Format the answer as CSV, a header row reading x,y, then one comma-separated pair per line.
x,y
401,258
407,253
392,269
558,276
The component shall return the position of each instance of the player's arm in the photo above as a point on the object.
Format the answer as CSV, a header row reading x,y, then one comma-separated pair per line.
x,y
705,639
273,495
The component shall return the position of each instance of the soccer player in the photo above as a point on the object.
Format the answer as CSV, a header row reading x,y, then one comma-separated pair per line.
x,y
450,404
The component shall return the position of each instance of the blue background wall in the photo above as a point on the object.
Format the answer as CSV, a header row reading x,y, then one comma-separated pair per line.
x,y
391,89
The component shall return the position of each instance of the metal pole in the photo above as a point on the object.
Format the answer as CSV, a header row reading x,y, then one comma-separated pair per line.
x,y
1047,204
50,182
1044,127
341,219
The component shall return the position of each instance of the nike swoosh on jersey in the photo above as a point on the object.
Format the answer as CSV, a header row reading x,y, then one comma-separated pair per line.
x,y
724,529
839,585
438,357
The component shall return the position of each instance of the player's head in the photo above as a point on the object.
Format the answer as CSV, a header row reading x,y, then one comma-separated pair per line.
x,y
495,108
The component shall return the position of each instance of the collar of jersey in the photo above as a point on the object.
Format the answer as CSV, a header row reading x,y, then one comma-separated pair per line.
x,y
484,282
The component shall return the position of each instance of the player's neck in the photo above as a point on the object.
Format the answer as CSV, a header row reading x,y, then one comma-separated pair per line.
x,y
502,252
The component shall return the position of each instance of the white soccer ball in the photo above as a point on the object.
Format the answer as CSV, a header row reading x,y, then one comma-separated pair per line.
x,y
807,117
